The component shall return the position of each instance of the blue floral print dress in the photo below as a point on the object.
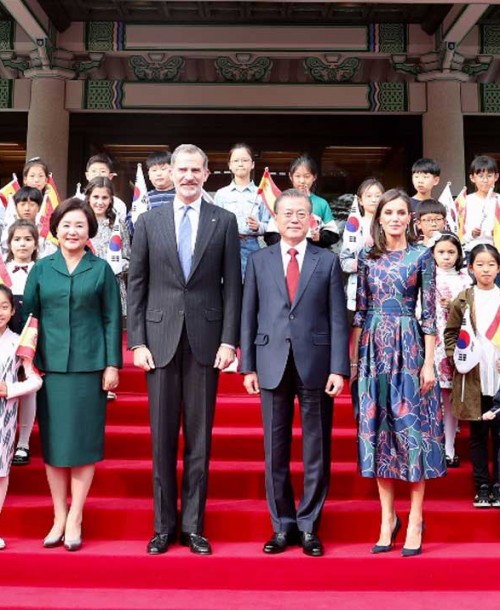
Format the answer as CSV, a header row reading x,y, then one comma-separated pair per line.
x,y
400,433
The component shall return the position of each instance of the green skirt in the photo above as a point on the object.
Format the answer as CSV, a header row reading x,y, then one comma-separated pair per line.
x,y
72,416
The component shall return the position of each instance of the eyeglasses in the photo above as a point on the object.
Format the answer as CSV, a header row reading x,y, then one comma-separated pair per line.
x,y
432,221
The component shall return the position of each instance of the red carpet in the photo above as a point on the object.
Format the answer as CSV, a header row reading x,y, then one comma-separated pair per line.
x,y
458,569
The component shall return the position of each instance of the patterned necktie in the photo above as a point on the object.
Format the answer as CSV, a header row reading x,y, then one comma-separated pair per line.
x,y
20,268
184,243
292,274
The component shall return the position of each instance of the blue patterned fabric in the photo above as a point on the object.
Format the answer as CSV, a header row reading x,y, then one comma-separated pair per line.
x,y
400,433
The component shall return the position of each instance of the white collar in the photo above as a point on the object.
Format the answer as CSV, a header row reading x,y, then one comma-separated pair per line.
x,y
180,205
300,247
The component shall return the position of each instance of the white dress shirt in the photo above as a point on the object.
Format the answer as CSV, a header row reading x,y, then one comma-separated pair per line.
x,y
19,277
194,218
301,251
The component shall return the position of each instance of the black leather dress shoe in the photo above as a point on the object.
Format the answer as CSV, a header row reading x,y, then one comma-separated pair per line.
x,y
159,544
311,544
279,543
197,543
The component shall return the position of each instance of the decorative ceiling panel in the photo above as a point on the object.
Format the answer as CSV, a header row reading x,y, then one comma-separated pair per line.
x,y
429,16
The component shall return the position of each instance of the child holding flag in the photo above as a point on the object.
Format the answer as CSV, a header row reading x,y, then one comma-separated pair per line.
x,y
451,279
475,383
478,217
112,242
357,234
10,388
241,197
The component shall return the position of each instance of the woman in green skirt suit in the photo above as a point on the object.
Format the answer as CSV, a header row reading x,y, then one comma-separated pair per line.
x,y
76,299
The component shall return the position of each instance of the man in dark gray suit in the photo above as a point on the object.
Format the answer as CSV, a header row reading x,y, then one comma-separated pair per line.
x,y
184,297
295,342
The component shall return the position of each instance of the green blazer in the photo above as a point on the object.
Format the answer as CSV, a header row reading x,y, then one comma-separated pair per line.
x,y
79,314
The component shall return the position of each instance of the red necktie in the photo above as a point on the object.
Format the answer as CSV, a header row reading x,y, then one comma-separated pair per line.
x,y
292,274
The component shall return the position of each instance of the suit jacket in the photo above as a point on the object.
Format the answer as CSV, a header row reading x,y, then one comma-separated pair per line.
x,y
314,326
80,316
161,301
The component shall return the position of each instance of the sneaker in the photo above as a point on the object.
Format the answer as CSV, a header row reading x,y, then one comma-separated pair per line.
x,y
21,457
482,499
495,496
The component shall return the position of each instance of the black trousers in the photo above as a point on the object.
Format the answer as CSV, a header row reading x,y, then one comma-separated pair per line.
x,y
479,432
316,410
182,392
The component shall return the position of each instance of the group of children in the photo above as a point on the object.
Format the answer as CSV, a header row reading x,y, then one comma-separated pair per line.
x,y
459,264
466,277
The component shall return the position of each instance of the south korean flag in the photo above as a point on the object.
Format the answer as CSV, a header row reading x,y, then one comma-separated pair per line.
x,y
353,232
114,254
467,352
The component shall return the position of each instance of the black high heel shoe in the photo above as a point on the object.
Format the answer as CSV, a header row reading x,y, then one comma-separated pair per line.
x,y
385,548
413,552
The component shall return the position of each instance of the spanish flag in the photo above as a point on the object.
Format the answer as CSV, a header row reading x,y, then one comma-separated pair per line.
x,y
9,190
28,339
4,275
460,204
493,332
50,202
268,191
496,226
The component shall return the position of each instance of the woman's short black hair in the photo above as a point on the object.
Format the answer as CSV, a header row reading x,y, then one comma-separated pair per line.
x,y
70,205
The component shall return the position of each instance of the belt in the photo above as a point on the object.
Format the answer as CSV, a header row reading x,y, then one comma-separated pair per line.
x,y
395,310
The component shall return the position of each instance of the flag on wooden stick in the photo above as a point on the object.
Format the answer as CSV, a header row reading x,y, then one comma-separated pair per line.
x,y
268,191
114,254
4,275
140,200
9,190
446,198
28,339
353,231
461,206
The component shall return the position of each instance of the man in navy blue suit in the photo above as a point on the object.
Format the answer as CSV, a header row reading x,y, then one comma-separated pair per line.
x,y
295,342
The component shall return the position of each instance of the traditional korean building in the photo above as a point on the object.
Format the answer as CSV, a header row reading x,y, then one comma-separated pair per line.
x,y
365,87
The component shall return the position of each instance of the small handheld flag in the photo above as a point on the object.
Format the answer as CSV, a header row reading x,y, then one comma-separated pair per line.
x,y
446,198
353,233
461,206
4,275
140,200
9,190
493,331
114,254
496,224
268,191
50,202
467,350
28,339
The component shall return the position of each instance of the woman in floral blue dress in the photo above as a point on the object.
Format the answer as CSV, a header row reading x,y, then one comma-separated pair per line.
x,y
400,433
